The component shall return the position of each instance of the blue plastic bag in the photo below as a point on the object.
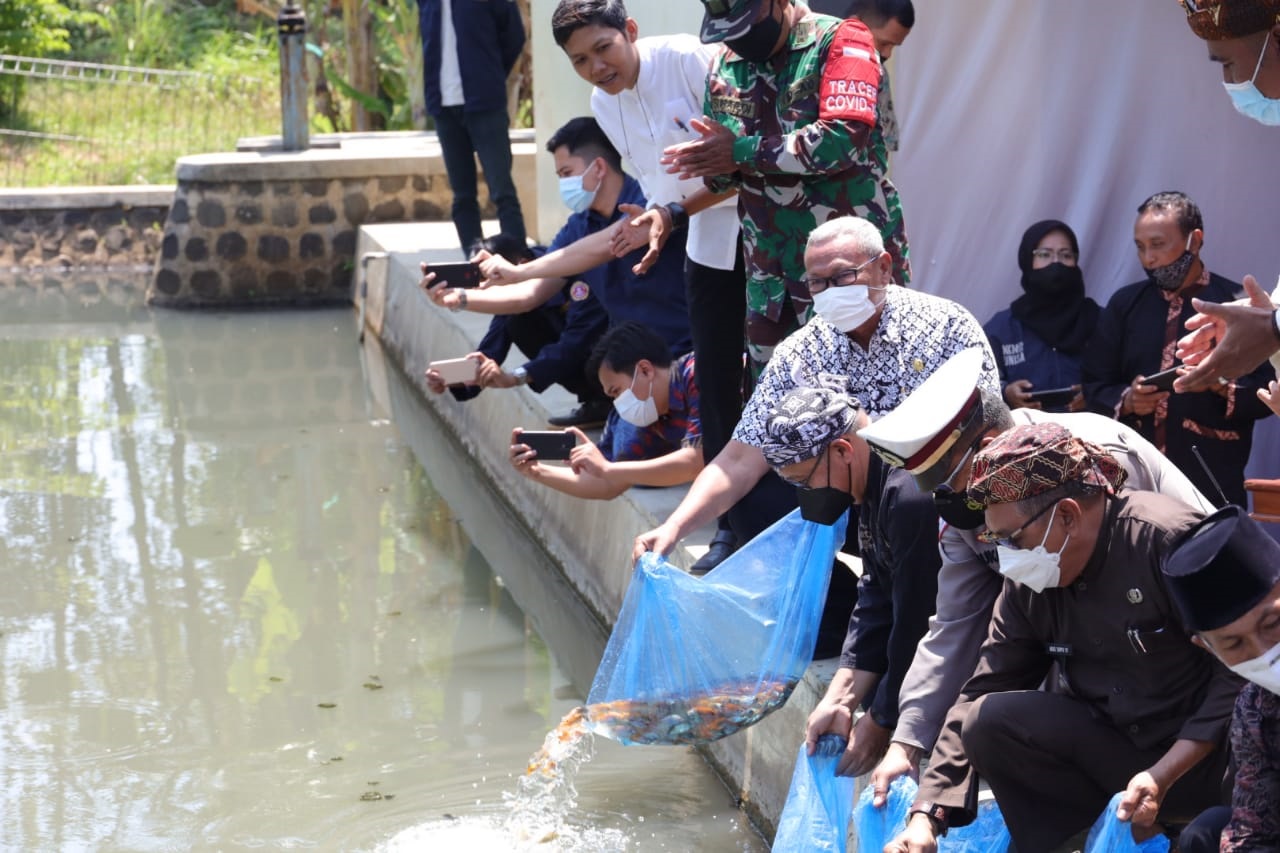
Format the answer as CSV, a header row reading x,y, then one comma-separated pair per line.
x,y
816,816
692,660
876,827
987,834
1112,835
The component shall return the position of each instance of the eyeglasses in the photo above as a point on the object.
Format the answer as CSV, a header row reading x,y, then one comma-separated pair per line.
x,y
803,483
844,278
1066,256
992,538
717,8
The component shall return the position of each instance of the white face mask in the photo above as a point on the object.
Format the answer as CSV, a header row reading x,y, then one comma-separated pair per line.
x,y
1263,671
846,308
632,409
1036,568
1250,102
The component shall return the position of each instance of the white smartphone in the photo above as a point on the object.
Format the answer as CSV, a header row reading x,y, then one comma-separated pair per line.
x,y
456,371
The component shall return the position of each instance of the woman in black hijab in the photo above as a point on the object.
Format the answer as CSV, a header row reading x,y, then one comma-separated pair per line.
x,y
1038,340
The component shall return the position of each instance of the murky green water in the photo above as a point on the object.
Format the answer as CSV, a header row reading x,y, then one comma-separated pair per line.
x,y
237,613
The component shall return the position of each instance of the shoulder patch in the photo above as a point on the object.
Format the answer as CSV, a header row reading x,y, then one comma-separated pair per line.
x,y
851,76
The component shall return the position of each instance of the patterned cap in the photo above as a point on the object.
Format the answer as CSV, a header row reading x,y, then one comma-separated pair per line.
x,y
805,422
726,20
1033,459
1216,20
939,421
1220,568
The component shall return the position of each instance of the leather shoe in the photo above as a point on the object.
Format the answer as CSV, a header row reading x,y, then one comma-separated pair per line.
x,y
590,414
722,545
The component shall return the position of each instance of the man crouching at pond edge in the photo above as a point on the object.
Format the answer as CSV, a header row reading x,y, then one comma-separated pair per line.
x,y
1131,704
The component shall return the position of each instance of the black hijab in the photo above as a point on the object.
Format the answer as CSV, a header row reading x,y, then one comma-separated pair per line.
x,y
1053,304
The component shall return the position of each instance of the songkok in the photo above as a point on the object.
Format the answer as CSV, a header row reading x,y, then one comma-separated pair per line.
x,y
1217,20
1033,459
726,20
1220,568
945,411
805,422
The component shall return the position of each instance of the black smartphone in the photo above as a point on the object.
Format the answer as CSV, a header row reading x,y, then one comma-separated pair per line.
x,y
1053,398
1164,379
548,444
456,274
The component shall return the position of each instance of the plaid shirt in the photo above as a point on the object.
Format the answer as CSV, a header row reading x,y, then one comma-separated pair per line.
x,y
680,427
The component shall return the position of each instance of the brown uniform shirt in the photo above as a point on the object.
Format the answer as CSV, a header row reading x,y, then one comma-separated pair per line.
x,y
1118,641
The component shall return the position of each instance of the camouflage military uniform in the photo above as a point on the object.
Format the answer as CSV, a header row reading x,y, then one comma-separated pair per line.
x,y
800,162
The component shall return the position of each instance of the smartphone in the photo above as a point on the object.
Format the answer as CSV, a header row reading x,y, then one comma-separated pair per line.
x,y
1164,379
1054,398
548,444
456,274
456,371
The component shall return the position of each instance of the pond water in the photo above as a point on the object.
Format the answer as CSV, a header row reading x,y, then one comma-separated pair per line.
x,y
239,613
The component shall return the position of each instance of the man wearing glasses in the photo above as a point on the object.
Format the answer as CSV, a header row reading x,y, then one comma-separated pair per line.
x,y
812,443
871,339
1131,703
934,435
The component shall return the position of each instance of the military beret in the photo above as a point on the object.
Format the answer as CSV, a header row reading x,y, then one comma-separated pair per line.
x,y
805,422
1220,568
1216,20
1033,459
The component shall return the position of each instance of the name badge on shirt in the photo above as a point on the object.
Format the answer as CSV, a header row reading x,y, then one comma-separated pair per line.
x,y
737,107
1058,649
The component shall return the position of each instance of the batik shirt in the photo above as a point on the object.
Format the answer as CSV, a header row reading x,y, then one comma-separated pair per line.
x,y
1255,747
917,332
799,119
680,427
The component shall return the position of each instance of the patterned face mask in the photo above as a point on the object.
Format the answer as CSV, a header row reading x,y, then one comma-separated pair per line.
x,y
1170,276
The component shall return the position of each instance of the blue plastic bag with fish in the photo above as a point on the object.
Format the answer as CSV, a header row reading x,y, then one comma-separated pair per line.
x,y
876,827
816,816
987,834
1112,835
692,660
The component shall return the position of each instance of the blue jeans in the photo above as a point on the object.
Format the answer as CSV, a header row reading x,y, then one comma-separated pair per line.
x,y
464,136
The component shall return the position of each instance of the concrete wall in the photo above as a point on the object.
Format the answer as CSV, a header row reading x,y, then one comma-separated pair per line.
x,y
560,94
589,540
77,228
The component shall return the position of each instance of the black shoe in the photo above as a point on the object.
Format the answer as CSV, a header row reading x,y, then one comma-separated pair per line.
x,y
722,545
590,414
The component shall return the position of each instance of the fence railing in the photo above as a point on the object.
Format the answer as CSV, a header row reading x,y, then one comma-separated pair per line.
x,y
66,123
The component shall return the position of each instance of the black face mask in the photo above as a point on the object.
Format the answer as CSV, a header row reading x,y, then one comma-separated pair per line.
x,y
824,505
956,509
1054,280
758,44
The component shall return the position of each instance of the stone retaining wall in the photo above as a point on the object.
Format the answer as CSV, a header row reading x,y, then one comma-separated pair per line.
x,y
62,229
263,228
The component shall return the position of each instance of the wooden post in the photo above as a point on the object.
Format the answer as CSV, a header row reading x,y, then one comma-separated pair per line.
x,y
357,22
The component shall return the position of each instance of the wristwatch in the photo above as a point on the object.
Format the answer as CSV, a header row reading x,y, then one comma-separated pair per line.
x,y
462,302
936,814
521,376
679,216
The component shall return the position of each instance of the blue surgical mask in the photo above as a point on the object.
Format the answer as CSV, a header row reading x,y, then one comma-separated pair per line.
x,y
575,196
1251,103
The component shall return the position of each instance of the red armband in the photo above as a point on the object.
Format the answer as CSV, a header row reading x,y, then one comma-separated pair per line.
x,y
851,76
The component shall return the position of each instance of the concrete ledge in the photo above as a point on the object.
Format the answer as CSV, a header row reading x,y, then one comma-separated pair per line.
x,y
74,198
590,540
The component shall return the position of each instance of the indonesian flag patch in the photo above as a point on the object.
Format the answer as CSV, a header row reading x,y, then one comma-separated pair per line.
x,y
851,76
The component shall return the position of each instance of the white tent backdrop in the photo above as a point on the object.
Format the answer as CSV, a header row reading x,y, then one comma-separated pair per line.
x,y
1013,111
